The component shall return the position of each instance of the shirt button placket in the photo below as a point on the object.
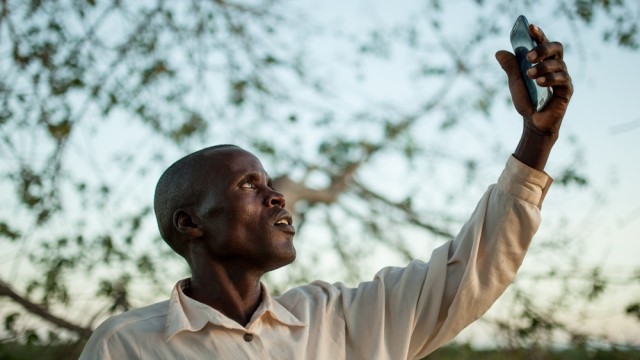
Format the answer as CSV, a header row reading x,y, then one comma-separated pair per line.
x,y
248,337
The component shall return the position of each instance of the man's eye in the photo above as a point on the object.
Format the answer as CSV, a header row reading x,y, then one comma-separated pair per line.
x,y
248,185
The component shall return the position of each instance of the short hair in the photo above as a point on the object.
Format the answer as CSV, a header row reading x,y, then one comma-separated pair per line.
x,y
175,189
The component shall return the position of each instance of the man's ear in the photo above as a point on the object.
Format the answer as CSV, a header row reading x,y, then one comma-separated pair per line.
x,y
186,225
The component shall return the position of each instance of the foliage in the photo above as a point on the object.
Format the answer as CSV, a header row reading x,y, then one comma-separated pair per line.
x,y
41,351
454,352
467,352
99,96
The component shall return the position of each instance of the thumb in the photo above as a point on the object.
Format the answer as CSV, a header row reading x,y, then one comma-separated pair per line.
x,y
518,89
509,64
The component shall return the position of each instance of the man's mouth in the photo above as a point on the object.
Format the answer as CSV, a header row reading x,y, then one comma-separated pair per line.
x,y
285,222
284,218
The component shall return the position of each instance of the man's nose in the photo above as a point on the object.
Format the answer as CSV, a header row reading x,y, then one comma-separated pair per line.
x,y
275,199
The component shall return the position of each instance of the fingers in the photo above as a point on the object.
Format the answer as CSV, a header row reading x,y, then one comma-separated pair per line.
x,y
553,79
545,48
550,70
562,85
553,73
537,34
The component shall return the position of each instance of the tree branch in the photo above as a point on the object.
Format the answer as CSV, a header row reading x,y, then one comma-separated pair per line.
x,y
36,309
411,216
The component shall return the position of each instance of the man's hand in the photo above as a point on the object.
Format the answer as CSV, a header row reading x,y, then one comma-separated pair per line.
x,y
540,128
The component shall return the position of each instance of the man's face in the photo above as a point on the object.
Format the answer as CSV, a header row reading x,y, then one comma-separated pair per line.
x,y
242,217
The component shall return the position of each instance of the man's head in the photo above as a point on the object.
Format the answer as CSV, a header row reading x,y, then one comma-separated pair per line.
x,y
217,204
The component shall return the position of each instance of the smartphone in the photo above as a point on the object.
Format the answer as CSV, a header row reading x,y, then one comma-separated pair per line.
x,y
522,43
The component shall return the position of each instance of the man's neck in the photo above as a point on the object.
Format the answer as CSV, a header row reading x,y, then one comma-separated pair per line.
x,y
236,294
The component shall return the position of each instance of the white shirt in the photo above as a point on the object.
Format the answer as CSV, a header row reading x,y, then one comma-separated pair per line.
x,y
403,313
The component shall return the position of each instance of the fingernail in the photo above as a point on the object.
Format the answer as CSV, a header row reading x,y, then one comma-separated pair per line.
x,y
532,71
532,55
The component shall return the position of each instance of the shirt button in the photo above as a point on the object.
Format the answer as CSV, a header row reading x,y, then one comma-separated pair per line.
x,y
248,337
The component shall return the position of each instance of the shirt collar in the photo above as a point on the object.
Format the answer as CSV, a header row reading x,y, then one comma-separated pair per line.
x,y
275,309
187,314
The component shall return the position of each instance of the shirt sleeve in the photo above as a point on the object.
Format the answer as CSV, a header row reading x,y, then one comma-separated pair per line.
x,y
104,347
414,310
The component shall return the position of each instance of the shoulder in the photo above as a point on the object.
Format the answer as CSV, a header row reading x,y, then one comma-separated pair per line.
x,y
116,337
324,292
131,325
317,293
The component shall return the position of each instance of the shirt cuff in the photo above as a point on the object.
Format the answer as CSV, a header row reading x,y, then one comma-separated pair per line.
x,y
523,182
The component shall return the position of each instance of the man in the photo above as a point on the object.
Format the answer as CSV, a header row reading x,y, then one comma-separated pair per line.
x,y
218,210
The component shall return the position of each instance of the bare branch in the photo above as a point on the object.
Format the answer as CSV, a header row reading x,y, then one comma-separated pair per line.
x,y
36,309
411,215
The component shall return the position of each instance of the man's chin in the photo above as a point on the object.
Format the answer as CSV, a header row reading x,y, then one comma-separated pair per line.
x,y
283,258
